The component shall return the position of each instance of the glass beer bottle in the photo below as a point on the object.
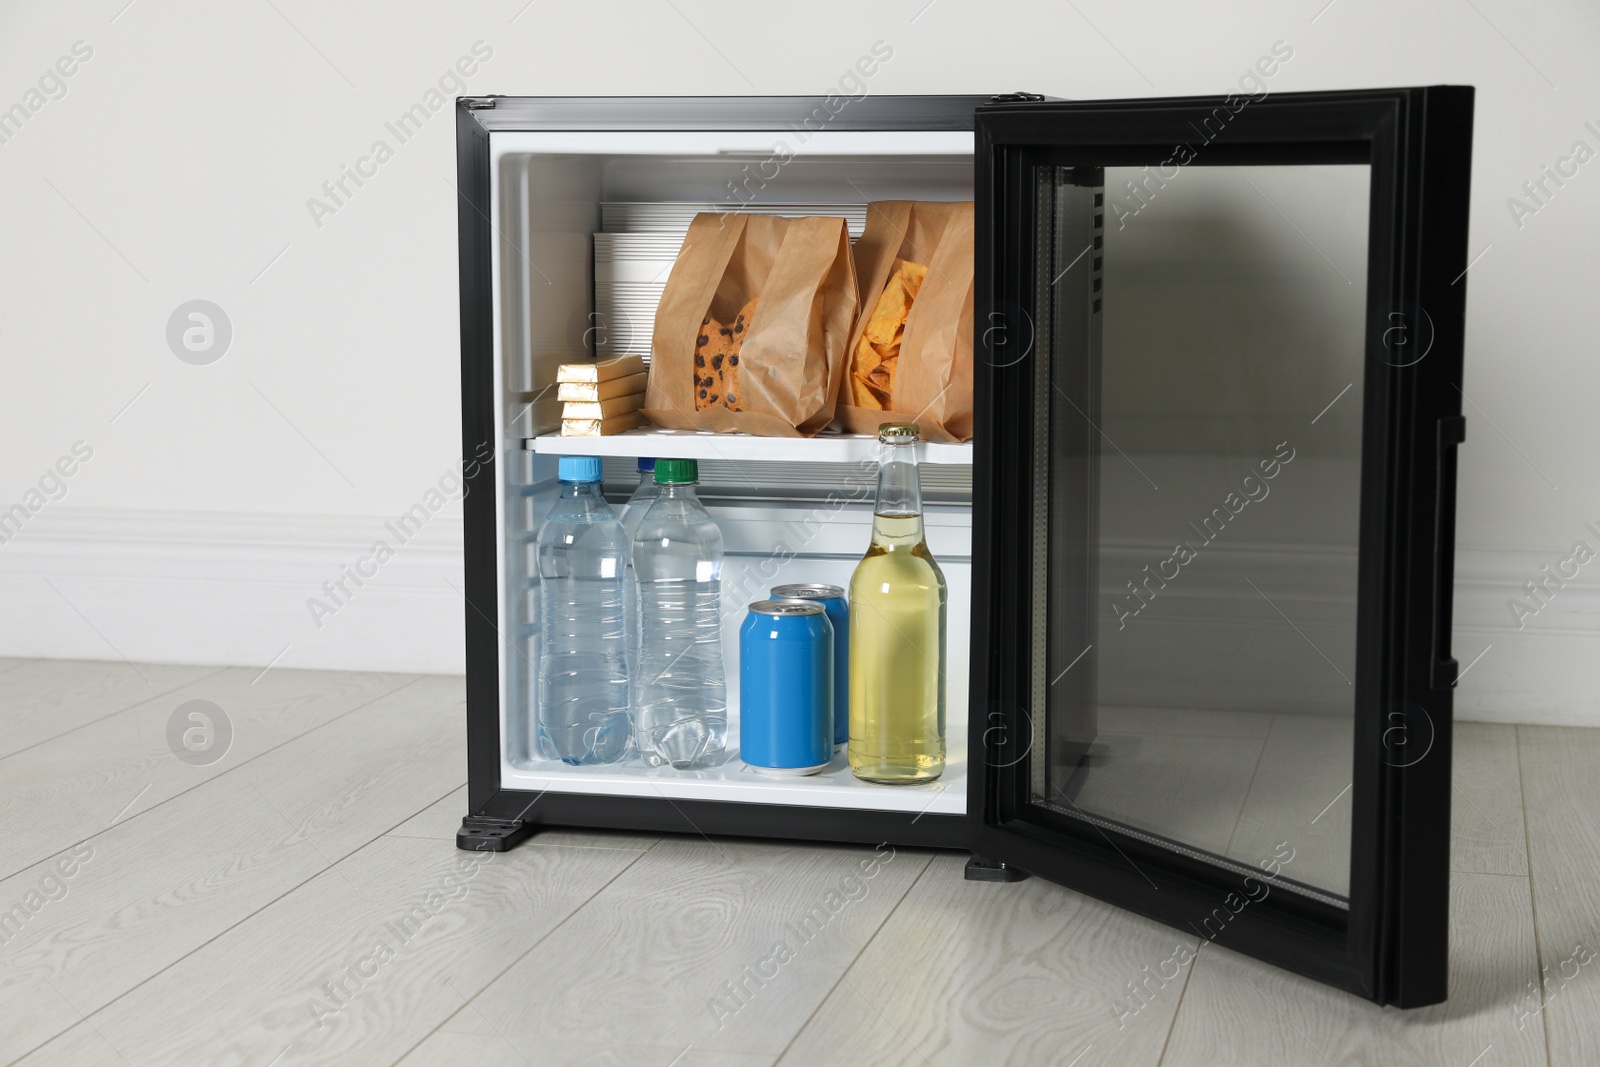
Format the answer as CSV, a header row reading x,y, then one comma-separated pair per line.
x,y
897,631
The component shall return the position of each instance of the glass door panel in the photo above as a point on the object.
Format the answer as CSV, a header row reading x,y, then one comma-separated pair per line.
x,y
1221,456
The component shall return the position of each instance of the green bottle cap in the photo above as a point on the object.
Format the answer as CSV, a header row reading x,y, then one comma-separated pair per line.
x,y
677,472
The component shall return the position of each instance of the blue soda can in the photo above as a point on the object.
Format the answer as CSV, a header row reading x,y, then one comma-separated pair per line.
x,y
786,688
831,597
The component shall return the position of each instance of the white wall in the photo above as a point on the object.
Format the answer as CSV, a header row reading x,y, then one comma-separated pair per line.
x,y
178,164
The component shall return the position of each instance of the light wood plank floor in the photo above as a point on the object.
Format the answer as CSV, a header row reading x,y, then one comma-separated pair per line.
x,y
299,899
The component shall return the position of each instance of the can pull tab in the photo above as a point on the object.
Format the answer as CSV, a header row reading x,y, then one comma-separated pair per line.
x,y
1016,98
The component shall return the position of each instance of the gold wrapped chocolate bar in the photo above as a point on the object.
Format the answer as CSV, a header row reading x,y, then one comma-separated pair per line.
x,y
601,398
601,427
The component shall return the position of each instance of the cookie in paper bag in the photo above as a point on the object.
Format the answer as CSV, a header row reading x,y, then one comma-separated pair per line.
x,y
710,350
716,359
709,328
730,367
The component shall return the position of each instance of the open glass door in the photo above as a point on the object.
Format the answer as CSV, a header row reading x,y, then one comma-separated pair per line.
x,y
1218,399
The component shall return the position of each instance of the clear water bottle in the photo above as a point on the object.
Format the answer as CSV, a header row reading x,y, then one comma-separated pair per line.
x,y
680,698
582,672
644,494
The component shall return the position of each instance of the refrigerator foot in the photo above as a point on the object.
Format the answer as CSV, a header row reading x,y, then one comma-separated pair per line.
x,y
481,834
983,869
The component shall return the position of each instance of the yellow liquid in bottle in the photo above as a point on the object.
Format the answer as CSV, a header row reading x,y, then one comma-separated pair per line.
x,y
897,638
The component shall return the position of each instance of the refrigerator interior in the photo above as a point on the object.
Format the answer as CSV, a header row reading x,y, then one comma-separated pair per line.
x,y
789,510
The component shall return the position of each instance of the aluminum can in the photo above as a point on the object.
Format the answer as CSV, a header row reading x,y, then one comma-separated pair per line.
x,y
786,688
831,597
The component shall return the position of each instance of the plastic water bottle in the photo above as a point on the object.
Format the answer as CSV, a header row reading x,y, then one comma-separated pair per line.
x,y
583,669
680,699
644,494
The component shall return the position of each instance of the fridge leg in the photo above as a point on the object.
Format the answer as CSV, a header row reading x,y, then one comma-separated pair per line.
x,y
480,834
984,869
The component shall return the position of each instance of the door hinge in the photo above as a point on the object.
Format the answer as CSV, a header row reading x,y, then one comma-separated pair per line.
x,y
1016,98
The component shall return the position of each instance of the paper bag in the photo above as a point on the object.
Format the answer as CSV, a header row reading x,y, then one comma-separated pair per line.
x,y
932,362
764,306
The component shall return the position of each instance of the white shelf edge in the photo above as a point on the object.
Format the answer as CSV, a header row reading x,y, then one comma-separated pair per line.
x,y
833,788
693,444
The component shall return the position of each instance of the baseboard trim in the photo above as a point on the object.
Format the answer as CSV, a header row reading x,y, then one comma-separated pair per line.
x,y
1541,672
213,588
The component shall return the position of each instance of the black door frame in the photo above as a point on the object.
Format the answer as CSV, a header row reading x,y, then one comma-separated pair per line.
x,y
498,818
1390,945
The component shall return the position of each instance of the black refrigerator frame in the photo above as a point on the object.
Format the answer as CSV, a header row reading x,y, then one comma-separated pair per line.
x,y
1390,945
498,818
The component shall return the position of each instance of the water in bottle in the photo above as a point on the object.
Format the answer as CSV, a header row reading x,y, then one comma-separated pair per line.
x,y
644,494
582,696
680,698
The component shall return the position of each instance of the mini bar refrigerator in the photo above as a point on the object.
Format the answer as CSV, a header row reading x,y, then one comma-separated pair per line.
x,y
1199,550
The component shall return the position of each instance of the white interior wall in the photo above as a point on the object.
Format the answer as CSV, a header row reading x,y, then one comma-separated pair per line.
x,y
177,160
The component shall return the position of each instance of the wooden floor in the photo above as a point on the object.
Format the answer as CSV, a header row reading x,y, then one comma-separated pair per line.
x,y
300,900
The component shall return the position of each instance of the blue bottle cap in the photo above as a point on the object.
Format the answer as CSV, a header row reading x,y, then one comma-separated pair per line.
x,y
578,468
647,463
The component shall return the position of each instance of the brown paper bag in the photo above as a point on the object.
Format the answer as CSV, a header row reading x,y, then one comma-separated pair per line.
x,y
933,375
792,349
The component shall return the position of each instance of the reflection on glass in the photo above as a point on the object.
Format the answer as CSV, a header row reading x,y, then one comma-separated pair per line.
x,y
1209,461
